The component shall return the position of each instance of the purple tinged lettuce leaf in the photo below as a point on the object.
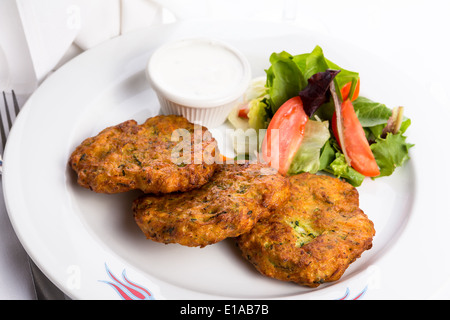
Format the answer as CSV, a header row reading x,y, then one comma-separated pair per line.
x,y
317,92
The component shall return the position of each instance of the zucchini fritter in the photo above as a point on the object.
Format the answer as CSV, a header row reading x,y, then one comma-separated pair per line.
x,y
227,206
129,156
314,237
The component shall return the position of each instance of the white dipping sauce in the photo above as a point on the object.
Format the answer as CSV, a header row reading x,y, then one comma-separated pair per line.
x,y
199,71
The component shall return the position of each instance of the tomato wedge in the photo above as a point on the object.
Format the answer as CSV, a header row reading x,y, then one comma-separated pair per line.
x,y
345,91
284,135
356,144
243,113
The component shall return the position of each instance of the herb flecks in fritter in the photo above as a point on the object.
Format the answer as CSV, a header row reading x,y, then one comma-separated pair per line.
x,y
230,204
315,237
129,156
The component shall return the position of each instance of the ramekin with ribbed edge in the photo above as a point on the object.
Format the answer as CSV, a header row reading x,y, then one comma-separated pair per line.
x,y
201,79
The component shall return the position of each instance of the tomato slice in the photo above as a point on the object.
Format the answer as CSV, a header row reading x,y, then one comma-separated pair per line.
x,y
356,144
284,135
345,91
243,113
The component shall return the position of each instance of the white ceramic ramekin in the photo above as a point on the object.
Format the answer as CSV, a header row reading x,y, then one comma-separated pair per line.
x,y
194,65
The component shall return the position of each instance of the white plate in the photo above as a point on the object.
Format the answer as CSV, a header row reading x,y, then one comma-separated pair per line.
x,y
89,245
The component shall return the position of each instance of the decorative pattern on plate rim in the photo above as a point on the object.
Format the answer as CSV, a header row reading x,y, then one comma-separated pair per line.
x,y
127,289
357,297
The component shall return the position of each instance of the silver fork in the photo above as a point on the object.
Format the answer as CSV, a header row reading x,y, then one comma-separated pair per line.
x,y
44,288
8,117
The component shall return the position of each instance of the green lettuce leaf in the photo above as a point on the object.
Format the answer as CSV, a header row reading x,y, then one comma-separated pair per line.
x,y
289,74
235,120
284,79
307,158
255,99
333,161
344,77
390,153
327,155
342,170
257,89
371,113
258,114
312,63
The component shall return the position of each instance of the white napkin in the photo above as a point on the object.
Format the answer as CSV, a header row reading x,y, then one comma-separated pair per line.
x,y
15,61
48,33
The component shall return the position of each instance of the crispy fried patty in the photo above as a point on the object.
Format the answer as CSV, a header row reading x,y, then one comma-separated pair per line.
x,y
314,237
129,156
227,206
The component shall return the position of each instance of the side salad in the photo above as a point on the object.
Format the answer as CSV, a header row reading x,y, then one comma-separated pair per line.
x,y
310,117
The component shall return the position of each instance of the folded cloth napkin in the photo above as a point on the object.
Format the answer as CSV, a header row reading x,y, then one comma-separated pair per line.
x,y
15,58
51,32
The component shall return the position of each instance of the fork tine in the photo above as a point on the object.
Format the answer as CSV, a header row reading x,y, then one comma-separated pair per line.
x,y
2,124
8,114
7,117
3,135
16,104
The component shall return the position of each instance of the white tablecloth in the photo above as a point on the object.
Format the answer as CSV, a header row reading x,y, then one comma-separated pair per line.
x,y
38,36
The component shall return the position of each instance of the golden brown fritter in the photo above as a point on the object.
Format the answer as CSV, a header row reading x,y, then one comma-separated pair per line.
x,y
227,206
314,237
129,156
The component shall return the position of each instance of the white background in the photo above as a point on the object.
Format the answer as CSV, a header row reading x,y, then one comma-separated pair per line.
x,y
412,34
